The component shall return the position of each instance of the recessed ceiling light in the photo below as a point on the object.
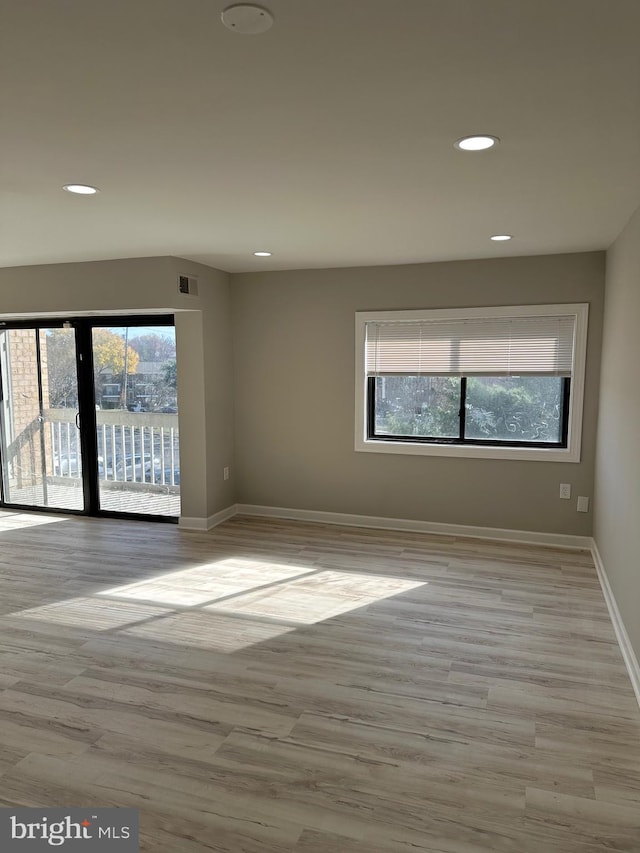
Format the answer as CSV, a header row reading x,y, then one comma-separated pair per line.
x,y
247,19
262,254
80,189
476,143
499,238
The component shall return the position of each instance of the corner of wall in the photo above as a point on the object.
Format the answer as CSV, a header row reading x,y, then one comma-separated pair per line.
x,y
617,460
214,304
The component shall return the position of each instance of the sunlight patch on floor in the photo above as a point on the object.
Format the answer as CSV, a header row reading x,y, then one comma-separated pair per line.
x,y
207,583
92,613
225,605
323,595
20,520
212,631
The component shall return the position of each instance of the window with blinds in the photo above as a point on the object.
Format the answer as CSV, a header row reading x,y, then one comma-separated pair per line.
x,y
502,377
539,346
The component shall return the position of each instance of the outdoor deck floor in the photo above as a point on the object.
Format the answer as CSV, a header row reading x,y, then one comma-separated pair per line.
x,y
114,500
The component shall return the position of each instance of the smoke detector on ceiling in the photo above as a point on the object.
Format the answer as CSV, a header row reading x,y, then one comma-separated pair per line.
x,y
247,19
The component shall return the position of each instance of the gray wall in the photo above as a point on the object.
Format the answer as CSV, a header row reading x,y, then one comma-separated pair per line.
x,y
294,382
294,378
617,504
202,337
215,301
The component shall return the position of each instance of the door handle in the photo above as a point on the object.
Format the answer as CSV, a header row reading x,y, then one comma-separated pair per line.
x,y
78,419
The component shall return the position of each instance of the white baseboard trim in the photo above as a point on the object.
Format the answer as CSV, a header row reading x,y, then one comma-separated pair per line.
x,y
186,522
224,514
628,654
194,523
503,535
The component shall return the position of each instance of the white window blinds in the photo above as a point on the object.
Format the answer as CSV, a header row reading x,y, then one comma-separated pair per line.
x,y
490,346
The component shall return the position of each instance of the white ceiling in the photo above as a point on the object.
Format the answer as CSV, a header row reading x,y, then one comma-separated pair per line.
x,y
328,140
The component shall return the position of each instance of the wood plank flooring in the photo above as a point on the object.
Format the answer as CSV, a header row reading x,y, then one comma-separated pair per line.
x,y
278,687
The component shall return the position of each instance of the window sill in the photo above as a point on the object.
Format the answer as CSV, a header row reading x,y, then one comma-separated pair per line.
x,y
529,454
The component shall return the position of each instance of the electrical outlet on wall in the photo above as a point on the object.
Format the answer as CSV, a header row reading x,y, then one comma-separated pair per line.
x,y
225,473
565,491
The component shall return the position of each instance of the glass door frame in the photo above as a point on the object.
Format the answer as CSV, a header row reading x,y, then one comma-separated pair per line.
x,y
83,327
35,325
87,402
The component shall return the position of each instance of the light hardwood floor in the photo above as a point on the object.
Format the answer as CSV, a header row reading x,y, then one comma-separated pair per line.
x,y
276,687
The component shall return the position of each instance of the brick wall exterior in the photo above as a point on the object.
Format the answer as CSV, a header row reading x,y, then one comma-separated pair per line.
x,y
25,450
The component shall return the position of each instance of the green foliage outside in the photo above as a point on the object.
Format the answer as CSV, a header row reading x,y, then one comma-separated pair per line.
x,y
502,408
418,405
170,374
515,408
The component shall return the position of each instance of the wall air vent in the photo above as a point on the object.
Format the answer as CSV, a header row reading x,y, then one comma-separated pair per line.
x,y
188,285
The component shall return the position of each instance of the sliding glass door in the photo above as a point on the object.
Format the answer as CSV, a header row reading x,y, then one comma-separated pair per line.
x,y
40,440
134,374
89,417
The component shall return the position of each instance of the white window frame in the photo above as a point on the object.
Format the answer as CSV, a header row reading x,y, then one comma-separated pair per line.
x,y
571,453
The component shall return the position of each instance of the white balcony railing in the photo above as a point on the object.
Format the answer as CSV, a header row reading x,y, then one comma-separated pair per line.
x,y
133,447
